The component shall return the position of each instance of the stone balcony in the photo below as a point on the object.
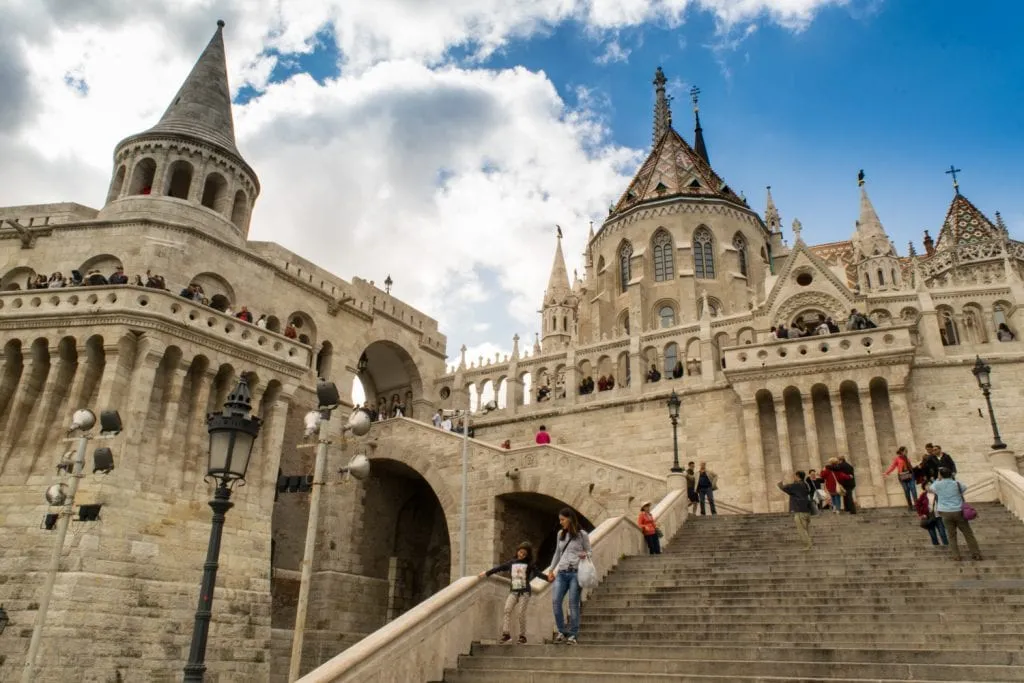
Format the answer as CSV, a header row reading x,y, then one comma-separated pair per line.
x,y
92,306
844,348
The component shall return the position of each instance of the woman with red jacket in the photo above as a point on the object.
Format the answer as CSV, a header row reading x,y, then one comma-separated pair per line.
x,y
832,485
649,529
901,465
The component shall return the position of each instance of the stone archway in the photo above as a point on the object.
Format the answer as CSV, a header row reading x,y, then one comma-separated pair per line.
x,y
528,516
389,375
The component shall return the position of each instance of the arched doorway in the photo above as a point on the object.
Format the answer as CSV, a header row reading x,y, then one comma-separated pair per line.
x,y
408,543
388,374
533,517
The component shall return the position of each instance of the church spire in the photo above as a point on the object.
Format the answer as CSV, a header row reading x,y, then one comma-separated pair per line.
x,y
662,111
202,107
868,224
698,132
771,214
558,283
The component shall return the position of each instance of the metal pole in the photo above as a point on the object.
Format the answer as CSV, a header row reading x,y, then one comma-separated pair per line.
x,y
58,547
675,446
997,444
463,521
295,664
195,669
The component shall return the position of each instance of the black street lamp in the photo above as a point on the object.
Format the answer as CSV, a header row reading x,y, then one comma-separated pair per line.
x,y
673,414
232,434
983,373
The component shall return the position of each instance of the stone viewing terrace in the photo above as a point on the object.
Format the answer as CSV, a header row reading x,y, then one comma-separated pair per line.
x,y
878,344
145,307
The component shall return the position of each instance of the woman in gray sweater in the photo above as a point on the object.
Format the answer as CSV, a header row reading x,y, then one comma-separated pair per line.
x,y
572,545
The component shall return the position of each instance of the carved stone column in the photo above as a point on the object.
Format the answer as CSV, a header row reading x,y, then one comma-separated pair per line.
x,y
811,430
173,398
48,402
871,440
275,416
901,418
782,427
835,402
755,455
32,380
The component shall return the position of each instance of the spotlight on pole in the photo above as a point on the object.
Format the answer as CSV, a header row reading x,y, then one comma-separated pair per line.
x,y
83,419
358,467
311,422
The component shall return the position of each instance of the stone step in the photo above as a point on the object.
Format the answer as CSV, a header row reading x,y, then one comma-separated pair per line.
x,y
901,655
567,662
970,570
823,637
910,615
780,627
529,676
881,601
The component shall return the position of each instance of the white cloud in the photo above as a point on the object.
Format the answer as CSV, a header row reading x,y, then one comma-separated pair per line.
x,y
613,52
411,162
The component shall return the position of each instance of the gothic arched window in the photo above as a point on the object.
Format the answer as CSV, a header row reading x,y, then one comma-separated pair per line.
x,y
667,316
625,270
664,257
740,245
671,358
703,254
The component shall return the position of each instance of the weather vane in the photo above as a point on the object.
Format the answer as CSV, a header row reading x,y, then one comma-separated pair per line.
x,y
695,96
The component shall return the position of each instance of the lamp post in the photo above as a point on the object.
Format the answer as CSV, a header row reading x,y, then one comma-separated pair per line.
x,y
983,373
673,414
82,421
232,435
317,422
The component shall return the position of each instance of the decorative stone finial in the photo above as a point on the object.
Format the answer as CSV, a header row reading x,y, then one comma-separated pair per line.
x,y
515,345
797,228
220,23
462,360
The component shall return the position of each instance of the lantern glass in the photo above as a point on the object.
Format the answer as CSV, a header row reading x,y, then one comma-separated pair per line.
x,y
982,372
673,405
231,442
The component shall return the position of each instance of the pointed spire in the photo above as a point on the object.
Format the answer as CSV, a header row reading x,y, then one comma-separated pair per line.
x,y
662,111
698,132
558,283
202,107
771,214
515,346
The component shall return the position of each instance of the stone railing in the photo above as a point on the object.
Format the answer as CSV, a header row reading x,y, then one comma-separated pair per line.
x,y
1010,486
79,306
420,644
843,346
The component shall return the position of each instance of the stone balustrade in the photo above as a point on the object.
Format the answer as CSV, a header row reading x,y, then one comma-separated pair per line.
x,y
421,643
78,306
816,349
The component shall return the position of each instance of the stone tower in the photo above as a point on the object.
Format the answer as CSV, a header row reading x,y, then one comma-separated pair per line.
x,y
559,310
874,255
187,167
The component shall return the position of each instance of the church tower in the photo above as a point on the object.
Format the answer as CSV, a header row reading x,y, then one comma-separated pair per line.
x,y
187,167
559,311
877,262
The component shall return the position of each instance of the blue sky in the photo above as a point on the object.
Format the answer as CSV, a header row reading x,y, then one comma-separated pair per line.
x,y
441,142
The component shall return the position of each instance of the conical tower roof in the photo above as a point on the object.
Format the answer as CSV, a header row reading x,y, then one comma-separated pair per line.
x,y
202,107
558,284
964,224
869,237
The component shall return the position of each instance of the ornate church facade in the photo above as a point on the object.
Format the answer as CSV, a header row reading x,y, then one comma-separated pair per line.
x,y
686,283
140,306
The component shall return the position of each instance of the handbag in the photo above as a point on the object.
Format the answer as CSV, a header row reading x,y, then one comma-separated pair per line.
x,y
929,522
967,510
659,533
586,573
906,475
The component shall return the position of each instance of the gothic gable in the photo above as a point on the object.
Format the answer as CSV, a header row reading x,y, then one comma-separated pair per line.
x,y
806,275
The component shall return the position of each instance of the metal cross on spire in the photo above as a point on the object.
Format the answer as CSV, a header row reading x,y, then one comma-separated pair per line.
x,y
953,170
695,96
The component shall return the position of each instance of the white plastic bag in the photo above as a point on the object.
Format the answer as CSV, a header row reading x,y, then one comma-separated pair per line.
x,y
587,574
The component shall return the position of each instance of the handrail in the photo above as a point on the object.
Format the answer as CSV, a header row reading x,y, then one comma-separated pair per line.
x,y
1010,486
421,643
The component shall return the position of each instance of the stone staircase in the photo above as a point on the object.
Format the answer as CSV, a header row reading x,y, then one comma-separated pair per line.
x,y
736,599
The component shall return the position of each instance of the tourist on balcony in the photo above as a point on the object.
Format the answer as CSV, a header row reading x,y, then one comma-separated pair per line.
x,y
76,279
602,383
707,484
244,315
521,570
261,322
437,419
290,332
949,494
905,471
95,279
800,503
572,545
828,477
822,327
677,371
930,519
1004,334
649,528
543,393
610,383
543,437
833,328
653,375
118,277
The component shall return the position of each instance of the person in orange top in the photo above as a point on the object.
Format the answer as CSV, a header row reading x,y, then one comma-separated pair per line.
x,y
901,464
649,529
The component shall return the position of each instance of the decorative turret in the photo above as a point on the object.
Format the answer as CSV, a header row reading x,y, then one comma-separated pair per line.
x,y
874,255
559,310
698,133
662,110
187,167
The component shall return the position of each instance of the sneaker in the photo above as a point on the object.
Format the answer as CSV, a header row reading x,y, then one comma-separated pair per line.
x,y
558,639
571,640
505,638
522,640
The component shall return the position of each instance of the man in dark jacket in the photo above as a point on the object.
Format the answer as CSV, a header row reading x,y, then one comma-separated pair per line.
x,y
944,459
800,505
